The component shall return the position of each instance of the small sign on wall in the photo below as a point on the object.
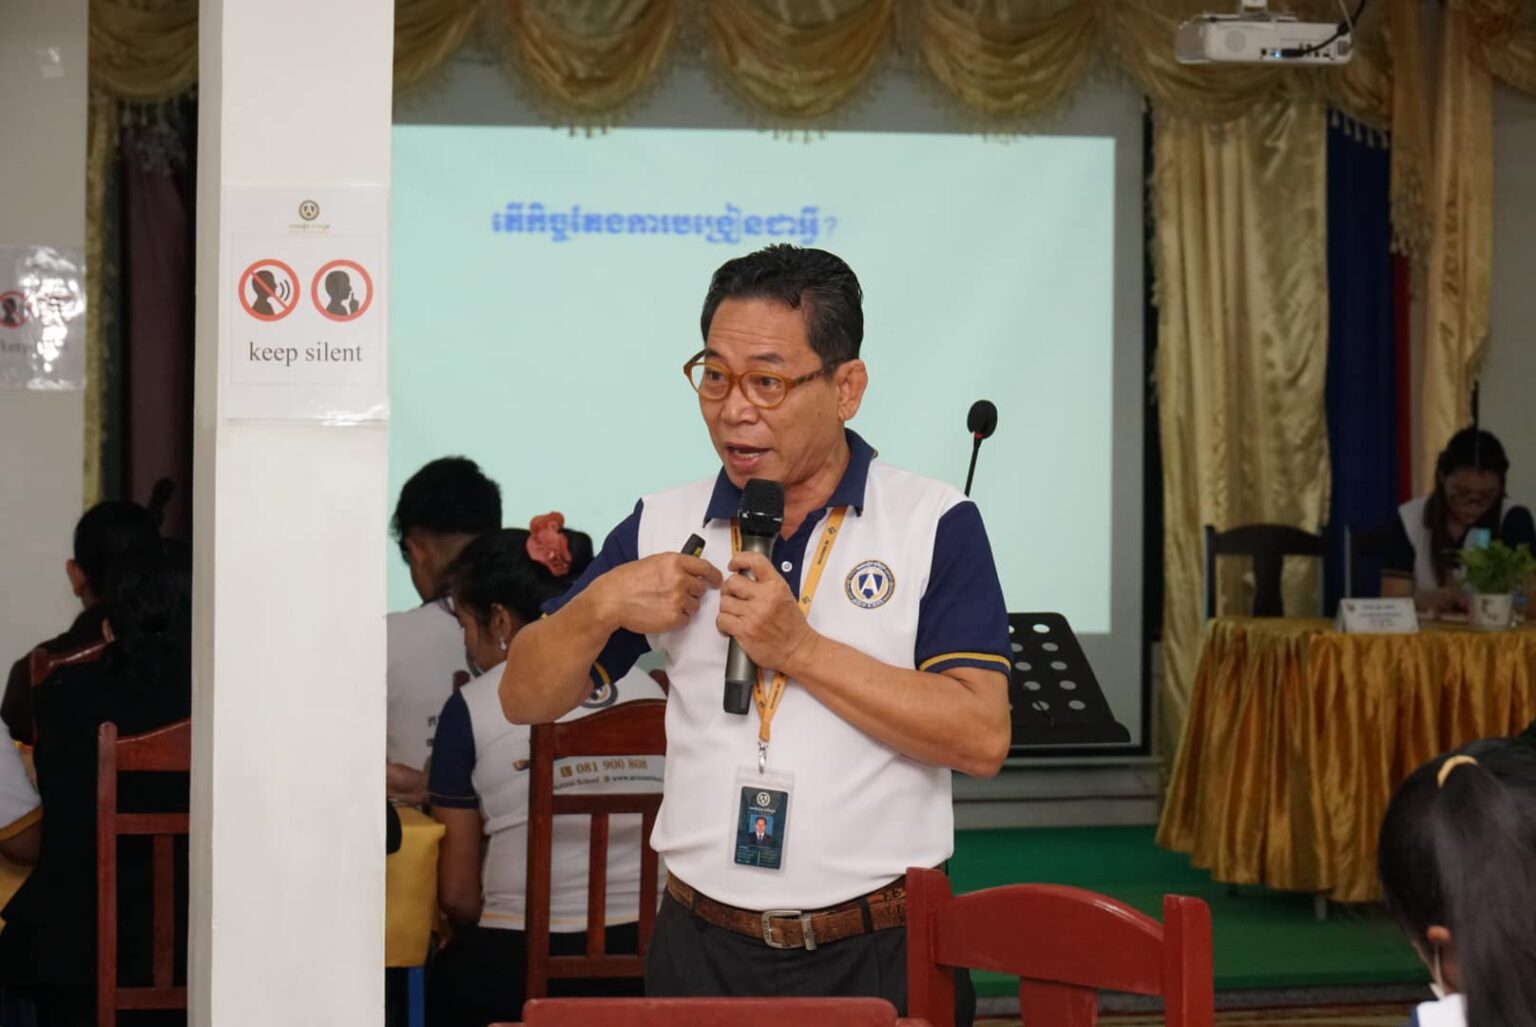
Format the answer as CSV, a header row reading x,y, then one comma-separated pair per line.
x,y
306,335
42,318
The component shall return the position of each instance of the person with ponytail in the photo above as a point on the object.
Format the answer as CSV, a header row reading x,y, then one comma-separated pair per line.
x,y
478,787
1468,508
102,535
1457,860
141,681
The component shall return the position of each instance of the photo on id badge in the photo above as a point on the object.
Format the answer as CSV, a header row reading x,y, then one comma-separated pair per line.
x,y
761,826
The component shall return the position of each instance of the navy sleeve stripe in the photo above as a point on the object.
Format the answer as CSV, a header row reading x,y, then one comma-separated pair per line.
x,y
963,615
450,777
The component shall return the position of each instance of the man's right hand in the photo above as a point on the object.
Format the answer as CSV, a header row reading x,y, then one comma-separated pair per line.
x,y
656,594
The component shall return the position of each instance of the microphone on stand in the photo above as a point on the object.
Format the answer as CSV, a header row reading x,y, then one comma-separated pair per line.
x,y
759,517
981,422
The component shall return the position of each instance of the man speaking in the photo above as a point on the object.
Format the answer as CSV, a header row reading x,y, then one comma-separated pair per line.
x,y
877,627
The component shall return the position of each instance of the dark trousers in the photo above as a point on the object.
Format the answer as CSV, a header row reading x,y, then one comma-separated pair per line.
x,y
690,958
480,977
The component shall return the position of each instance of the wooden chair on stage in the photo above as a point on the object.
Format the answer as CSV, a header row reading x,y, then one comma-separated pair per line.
x,y
1267,545
628,729
167,749
710,1012
1064,944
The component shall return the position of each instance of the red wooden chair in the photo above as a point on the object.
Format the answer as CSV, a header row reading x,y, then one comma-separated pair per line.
x,y
166,749
1064,944
709,1012
44,661
628,729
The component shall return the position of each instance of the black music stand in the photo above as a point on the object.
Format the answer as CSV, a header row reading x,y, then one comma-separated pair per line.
x,y
1055,697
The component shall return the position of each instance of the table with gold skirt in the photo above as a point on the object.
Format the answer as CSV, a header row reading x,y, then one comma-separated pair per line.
x,y
410,890
1298,734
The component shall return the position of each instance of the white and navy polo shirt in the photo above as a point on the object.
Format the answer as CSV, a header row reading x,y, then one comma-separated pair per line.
x,y
426,663
911,582
480,761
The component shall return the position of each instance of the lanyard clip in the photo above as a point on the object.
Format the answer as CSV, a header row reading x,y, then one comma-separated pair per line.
x,y
762,757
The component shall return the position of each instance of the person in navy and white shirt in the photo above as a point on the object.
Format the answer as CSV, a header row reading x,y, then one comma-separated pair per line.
x,y
896,676
479,792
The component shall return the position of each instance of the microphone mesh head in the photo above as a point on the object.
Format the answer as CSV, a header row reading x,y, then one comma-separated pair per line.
x,y
982,420
762,507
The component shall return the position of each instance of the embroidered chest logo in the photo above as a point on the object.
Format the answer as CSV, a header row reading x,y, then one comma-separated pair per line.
x,y
870,585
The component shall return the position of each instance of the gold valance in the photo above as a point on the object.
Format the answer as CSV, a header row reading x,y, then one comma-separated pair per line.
x,y
798,61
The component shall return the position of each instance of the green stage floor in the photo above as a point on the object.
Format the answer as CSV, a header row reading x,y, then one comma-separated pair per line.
x,y
1263,939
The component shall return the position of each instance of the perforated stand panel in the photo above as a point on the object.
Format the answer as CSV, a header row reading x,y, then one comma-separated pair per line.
x,y
1055,697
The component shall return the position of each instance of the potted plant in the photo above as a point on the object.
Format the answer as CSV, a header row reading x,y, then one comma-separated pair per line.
x,y
1493,573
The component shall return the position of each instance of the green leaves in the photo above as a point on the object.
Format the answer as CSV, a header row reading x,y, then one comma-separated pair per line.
x,y
1498,568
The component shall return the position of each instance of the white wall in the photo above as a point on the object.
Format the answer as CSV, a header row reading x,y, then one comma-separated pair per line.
x,y
42,197
1509,375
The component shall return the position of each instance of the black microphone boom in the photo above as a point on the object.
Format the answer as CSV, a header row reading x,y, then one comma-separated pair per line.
x,y
759,517
981,422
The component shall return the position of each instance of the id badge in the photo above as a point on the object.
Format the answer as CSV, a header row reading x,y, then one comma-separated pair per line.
x,y
760,825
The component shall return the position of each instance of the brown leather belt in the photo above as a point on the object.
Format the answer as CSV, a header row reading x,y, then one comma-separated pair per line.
x,y
798,929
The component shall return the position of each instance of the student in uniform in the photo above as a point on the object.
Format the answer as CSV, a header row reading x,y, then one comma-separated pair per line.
x,y
479,791
442,507
1457,858
1468,507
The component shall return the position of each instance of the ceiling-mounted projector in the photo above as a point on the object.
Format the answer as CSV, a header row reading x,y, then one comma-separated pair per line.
x,y
1257,35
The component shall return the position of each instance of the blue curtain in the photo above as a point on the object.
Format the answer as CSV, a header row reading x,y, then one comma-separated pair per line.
x,y
1361,385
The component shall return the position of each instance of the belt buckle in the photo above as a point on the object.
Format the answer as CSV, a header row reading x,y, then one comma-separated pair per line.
x,y
807,932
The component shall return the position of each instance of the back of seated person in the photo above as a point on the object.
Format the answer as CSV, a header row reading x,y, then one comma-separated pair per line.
x,y
1457,858
103,534
479,789
141,681
442,507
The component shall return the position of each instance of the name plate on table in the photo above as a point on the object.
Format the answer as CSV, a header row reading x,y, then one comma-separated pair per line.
x,y
1378,616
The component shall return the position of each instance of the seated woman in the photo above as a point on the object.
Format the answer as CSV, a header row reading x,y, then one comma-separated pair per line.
x,y
1468,507
141,681
479,791
102,535
1457,858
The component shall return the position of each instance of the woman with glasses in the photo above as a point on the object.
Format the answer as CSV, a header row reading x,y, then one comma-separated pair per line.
x,y
479,792
1467,509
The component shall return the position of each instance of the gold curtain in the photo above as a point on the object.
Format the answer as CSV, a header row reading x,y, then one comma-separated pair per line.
x,y
798,61
427,33
1504,39
1007,67
588,59
1242,290
1456,300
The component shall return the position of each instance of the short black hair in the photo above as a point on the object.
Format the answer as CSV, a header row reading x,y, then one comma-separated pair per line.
x,y
449,496
495,569
113,528
818,283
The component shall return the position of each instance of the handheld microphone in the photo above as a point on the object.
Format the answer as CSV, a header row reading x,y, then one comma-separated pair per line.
x,y
981,422
760,517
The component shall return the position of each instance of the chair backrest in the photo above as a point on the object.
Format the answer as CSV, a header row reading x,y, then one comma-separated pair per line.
x,y
167,749
1267,545
1064,944
708,1012
1363,551
44,661
628,729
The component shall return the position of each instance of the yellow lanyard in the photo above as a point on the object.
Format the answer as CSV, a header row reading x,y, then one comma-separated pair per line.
x,y
767,699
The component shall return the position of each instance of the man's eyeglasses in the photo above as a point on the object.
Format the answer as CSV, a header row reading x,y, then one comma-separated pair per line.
x,y
763,389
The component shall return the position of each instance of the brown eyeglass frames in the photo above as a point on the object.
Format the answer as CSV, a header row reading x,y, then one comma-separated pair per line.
x,y
763,389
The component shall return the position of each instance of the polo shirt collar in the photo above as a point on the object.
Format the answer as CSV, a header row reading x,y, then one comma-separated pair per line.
x,y
725,501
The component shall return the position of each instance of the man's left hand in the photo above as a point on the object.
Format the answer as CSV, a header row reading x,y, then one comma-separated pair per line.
x,y
762,614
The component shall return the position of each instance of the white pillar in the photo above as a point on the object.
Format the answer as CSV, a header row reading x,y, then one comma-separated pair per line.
x,y
289,544
42,202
